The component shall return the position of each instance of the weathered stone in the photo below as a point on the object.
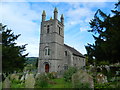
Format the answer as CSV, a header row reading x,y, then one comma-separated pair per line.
x,y
101,78
14,76
30,81
0,85
22,78
107,68
6,83
0,81
26,76
37,75
82,77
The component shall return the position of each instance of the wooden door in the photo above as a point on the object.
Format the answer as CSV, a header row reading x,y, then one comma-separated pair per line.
x,y
46,68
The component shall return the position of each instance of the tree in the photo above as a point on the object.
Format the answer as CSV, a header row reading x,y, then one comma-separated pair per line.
x,y
106,32
12,55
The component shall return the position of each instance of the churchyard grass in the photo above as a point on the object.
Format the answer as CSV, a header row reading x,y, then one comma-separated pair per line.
x,y
17,84
60,83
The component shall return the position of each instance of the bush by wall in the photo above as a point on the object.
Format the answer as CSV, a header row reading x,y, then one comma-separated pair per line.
x,y
41,81
68,73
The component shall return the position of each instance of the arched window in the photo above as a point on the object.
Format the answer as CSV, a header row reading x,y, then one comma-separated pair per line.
x,y
48,28
65,53
65,67
47,51
59,30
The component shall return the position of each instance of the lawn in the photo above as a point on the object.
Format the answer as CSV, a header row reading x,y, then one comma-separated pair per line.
x,y
59,83
52,83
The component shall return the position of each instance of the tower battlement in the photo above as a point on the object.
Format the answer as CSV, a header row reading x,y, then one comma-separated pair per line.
x,y
55,16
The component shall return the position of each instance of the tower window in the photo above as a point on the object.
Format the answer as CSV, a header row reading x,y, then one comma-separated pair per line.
x,y
59,30
47,51
65,67
48,29
65,53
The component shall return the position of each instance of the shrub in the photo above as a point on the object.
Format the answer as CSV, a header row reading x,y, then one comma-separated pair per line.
x,y
116,82
68,73
102,85
41,81
17,84
52,75
82,85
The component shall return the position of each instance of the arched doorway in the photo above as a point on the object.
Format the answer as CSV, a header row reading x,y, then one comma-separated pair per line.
x,y
47,68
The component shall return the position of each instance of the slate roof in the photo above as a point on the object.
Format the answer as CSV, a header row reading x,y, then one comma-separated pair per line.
x,y
74,51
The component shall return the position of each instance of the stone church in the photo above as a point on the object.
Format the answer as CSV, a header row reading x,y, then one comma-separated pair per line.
x,y
54,55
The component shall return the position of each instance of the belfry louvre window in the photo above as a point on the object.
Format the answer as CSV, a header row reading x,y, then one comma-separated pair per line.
x,y
47,51
59,30
65,53
48,28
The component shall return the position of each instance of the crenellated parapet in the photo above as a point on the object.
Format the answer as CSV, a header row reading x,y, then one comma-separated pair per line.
x,y
55,16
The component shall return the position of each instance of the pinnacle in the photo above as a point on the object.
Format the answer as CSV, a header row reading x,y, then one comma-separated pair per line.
x,y
62,16
55,10
43,12
51,18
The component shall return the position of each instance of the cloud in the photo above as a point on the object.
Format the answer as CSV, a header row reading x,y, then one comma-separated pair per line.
x,y
24,18
85,28
78,14
19,15
32,48
59,0
21,19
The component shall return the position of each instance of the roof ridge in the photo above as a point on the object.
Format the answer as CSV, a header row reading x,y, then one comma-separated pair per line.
x,y
74,51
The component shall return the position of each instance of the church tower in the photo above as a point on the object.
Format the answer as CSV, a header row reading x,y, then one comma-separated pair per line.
x,y
51,51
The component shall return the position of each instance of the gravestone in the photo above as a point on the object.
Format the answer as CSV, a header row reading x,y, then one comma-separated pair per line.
x,y
26,76
82,77
101,78
0,81
0,85
14,77
37,75
107,68
6,83
22,78
30,81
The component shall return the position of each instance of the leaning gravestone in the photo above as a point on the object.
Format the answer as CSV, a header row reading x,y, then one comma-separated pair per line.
x,y
14,77
22,78
30,81
26,76
82,79
6,83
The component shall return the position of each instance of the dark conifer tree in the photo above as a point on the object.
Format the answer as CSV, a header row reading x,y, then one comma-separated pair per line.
x,y
12,55
106,32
